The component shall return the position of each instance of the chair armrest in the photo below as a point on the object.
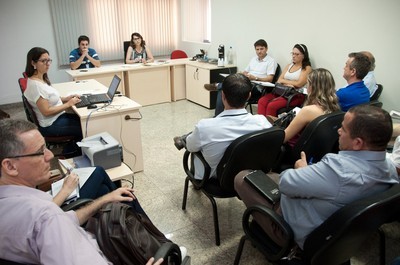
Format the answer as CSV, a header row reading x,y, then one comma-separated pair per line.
x,y
190,169
270,249
75,204
170,252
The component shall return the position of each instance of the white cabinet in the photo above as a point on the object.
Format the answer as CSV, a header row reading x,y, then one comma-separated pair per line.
x,y
198,74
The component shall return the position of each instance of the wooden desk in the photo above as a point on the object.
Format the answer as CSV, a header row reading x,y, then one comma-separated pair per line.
x,y
112,119
103,74
161,82
149,84
115,173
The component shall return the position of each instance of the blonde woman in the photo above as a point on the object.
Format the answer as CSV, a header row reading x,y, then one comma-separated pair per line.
x,y
321,100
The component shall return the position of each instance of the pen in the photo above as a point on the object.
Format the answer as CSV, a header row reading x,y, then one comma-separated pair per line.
x,y
310,161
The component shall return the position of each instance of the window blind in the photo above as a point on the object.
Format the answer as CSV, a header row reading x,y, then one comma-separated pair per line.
x,y
108,23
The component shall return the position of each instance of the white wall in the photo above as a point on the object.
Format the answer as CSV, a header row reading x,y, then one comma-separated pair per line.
x,y
24,24
330,29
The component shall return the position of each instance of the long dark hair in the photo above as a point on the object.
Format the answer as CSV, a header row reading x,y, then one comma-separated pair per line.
x,y
34,55
142,43
306,60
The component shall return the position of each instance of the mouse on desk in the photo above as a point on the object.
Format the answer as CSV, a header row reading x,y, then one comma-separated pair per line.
x,y
92,106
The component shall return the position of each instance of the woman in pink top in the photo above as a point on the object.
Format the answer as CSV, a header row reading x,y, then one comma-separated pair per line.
x,y
294,75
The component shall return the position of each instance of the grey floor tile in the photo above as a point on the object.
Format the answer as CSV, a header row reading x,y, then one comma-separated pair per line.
x,y
159,189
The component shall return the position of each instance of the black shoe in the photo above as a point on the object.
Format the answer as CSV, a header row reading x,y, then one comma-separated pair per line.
x,y
178,142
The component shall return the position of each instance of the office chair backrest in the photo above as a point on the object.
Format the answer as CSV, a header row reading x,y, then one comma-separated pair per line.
x,y
278,72
256,150
178,54
339,237
126,46
23,82
377,93
319,137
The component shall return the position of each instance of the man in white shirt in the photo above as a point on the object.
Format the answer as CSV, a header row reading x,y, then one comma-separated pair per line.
x,y
261,67
213,135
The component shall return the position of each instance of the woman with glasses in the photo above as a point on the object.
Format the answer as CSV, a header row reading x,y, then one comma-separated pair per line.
x,y
45,100
294,75
138,52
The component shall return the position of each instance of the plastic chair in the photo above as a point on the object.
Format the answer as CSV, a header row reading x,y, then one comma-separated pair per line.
x,y
50,140
318,138
256,150
178,54
254,98
336,240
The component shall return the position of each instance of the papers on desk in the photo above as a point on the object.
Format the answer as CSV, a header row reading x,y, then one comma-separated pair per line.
x,y
267,84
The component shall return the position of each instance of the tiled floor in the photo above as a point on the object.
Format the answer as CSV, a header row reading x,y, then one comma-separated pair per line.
x,y
160,187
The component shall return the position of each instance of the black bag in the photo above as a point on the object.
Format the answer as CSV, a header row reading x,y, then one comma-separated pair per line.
x,y
125,236
285,119
284,91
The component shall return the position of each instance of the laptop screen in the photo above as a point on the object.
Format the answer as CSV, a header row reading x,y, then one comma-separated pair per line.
x,y
113,86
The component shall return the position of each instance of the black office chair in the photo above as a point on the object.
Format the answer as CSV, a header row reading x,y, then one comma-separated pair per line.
x,y
377,93
336,240
256,150
50,140
126,46
256,95
318,138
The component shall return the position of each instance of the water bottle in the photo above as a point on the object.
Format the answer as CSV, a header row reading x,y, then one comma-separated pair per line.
x,y
230,55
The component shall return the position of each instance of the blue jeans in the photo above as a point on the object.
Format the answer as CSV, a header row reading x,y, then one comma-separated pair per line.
x,y
66,125
99,184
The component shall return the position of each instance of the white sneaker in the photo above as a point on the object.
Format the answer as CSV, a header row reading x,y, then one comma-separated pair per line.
x,y
183,252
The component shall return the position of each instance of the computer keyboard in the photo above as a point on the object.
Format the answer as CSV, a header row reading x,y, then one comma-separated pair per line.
x,y
83,103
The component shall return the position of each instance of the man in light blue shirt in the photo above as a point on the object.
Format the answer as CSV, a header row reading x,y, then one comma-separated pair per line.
x,y
311,193
213,135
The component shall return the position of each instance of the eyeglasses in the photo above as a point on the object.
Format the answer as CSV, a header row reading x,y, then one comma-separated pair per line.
x,y
38,153
45,61
295,54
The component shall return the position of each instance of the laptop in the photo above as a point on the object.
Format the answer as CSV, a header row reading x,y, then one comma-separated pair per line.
x,y
87,100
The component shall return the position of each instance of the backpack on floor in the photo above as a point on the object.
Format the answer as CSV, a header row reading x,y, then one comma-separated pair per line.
x,y
125,236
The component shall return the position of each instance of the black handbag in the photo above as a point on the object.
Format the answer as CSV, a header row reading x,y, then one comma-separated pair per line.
x,y
285,120
283,91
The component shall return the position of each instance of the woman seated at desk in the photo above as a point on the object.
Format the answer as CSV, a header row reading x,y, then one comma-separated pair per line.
x,y
137,51
45,100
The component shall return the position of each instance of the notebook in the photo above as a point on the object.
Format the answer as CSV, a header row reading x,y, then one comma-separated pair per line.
x,y
87,100
264,185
